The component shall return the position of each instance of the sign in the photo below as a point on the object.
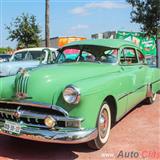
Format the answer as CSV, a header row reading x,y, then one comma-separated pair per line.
x,y
146,43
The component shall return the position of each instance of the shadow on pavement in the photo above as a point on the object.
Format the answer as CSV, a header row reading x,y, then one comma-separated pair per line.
x,y
15,148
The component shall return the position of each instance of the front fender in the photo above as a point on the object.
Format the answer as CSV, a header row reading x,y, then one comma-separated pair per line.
x,y
93,93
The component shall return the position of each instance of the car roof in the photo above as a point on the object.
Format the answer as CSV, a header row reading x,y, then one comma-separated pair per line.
x,y
35,49
111,43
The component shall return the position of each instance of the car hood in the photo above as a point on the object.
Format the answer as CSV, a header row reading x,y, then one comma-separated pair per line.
x,y
11,68
45,84
72,72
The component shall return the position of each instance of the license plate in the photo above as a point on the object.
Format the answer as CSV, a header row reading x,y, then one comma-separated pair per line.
x,y
12,127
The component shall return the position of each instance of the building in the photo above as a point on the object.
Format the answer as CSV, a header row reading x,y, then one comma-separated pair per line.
x,y
57,42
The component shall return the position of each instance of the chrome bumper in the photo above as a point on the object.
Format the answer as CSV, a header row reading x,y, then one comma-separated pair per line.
x,y
52,136
13,111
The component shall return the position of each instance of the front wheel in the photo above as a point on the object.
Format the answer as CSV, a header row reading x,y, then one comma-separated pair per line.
x,y
103,127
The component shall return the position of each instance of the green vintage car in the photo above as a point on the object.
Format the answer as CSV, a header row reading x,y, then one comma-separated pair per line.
x,y
77,100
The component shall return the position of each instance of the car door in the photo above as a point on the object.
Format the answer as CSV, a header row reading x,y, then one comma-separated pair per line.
x,y
135,72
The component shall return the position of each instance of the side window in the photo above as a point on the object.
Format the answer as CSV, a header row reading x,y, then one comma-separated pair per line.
x,y
128,56
19,56
34,55
140,57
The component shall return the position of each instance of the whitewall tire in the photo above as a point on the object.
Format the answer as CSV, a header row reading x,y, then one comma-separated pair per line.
x,y
103,127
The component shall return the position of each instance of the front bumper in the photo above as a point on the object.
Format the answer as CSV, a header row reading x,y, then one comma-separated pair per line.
x,y
29,116
52,136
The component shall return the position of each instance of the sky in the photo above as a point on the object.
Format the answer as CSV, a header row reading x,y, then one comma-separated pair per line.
x,y
69,17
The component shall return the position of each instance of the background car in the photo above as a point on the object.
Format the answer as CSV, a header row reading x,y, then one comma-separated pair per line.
x,y
26,58
151,61
4,57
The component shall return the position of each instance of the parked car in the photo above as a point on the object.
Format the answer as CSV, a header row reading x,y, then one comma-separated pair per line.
x,y
151,61
80,100
25,58
4,57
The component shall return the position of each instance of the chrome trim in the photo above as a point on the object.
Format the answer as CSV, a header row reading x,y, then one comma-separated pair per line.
x,y
35,118
52,136
149,90
36,104
78,93
31,114
21,84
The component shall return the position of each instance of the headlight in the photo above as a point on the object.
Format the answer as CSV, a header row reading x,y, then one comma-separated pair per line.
x,y
71,95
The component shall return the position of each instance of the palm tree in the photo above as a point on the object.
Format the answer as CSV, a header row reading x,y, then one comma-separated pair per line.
x,y
47,36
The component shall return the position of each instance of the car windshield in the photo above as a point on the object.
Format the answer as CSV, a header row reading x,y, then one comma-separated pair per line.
x,y
29,55
88,53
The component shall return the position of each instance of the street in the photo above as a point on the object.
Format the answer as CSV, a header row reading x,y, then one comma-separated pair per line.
x,y
137,136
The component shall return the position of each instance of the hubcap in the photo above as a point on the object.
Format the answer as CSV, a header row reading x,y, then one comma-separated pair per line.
x,y
103,123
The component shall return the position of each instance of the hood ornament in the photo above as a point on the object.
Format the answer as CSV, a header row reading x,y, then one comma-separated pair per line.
x,y
21,95
23,72
21,84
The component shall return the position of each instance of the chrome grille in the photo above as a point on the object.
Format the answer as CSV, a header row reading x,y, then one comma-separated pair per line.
x,y
28,115
21,83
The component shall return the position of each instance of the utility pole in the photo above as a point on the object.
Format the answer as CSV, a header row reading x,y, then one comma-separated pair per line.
x,y
158,52
47,30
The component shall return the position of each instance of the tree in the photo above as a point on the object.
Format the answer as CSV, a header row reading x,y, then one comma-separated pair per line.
x,y
5,50
47,36
147,14
25,31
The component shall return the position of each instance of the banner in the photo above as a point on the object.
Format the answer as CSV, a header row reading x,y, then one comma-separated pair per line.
x,y
146,43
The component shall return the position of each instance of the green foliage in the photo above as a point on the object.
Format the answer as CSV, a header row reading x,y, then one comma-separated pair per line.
x,y
25,31
147,14
5,50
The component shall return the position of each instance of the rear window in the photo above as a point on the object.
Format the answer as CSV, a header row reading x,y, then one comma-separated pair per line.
x,y
128,56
